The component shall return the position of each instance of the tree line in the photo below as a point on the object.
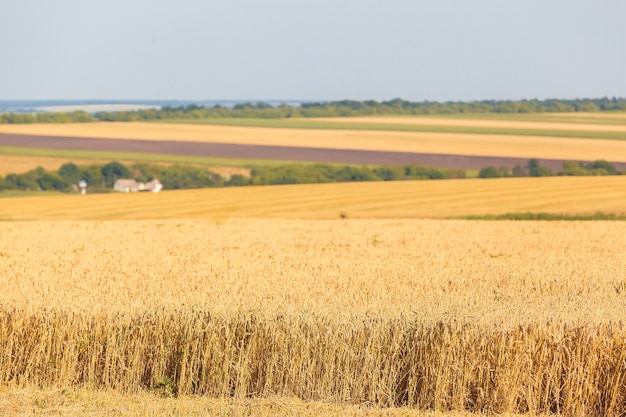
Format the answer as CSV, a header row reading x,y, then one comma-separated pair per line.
x,y
101,177
533,169
24,118
343,108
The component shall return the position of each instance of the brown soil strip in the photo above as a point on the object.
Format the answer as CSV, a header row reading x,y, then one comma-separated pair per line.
x,y
287,153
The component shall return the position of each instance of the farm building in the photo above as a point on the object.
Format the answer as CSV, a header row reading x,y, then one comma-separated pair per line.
x,y
132,186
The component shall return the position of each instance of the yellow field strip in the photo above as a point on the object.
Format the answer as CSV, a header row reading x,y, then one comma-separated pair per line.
x,y
410,199
439,121
592,115
17,164
420,142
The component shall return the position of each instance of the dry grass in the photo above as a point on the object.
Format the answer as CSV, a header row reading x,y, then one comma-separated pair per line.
x,y
423,142
438,315
402,199
84,402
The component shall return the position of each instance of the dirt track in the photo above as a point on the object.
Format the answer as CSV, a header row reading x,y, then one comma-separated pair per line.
x,y
287,153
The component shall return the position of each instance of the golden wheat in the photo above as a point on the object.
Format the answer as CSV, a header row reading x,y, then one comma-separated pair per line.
x,y
439,315
431,269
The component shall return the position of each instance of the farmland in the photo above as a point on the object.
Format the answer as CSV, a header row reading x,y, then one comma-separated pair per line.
x,y
574,141
362,299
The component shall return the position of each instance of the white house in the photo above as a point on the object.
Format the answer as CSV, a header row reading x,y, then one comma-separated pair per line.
x,y
132,186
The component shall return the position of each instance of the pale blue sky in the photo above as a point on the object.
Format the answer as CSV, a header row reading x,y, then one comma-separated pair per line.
x,y
312,49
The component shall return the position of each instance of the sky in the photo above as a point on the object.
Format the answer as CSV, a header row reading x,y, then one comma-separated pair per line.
x,y
438,50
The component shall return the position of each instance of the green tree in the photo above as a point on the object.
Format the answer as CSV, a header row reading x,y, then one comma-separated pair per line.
x,y
70,172
571,168
602,165
538,171
49,181
493,172
113,171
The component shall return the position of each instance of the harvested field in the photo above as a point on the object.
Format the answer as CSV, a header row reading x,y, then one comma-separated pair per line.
x,y
401,199
411,142
431,315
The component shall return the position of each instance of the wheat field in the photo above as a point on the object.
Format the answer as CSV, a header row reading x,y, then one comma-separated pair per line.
x,y
507,317
397,199
354,299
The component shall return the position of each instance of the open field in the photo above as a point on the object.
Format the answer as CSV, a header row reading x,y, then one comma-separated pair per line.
x,y
401,199
424,314
478,144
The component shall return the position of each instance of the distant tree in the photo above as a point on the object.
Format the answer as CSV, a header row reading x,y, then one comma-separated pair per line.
x,y
587,106
26,181
70,172
573,169
51,181
237,180
113,171
493,172
390,173
535,170
519,171
606,166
